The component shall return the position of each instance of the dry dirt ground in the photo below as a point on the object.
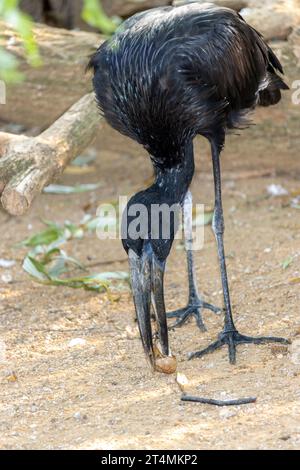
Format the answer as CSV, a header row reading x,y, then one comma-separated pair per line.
x,y
101,395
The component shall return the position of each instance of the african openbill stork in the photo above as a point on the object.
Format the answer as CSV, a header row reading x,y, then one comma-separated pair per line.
x,y
167,75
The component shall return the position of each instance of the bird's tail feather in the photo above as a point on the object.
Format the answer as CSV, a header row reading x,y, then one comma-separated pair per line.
x,y
272,94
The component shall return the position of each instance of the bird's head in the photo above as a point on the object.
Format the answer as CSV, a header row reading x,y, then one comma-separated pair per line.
x,y
150,222
151,216
149,225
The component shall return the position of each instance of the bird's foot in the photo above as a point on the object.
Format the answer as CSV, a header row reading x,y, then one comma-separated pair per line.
x,y
232,339
193,309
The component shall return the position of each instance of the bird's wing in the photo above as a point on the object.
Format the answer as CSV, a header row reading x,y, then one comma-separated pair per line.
x,y
222,51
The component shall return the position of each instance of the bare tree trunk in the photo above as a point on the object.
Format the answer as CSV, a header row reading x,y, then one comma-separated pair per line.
x,y
29,164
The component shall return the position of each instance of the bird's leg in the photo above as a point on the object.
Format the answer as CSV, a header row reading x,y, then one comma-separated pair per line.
x,y
229,336
195,302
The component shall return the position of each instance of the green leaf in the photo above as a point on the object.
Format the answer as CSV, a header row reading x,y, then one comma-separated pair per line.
x,y
61,189
83,160
55,235
93,224
287,262
203,219
46,262
69,259
111,276
94,15
39,273
9,68
35,269
96,282
45,237
22,24
48,253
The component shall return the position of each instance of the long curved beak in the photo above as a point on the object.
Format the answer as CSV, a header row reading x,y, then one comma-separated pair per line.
x,y
147,277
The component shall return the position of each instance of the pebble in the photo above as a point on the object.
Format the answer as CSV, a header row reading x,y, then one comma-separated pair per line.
x,y
7,278
131,332
6,263
226,413
79,416
11,376
295,352
182,381
276,190
77,342
2,351
211,365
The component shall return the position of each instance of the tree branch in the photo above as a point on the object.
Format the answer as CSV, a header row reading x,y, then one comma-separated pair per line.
x,y
29,164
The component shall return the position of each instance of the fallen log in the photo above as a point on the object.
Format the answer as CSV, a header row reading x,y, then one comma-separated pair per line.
x,y
28,164
49,90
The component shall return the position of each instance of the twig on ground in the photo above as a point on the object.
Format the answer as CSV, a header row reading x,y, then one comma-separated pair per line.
x,y
209,401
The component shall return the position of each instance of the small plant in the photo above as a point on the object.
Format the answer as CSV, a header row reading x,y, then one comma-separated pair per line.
x,y
48,263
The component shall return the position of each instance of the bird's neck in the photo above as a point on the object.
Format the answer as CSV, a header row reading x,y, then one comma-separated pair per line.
x,y
174,182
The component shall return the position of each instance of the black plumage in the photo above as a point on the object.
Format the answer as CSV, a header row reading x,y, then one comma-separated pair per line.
x,y
167,75
171,73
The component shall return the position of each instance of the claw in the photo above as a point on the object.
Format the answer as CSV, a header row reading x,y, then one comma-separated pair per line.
x,y
211,348
193,309
200,322
178,313
213,308
232,339
264,340
181,320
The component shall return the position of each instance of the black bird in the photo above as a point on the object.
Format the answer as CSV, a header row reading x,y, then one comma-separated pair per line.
x,y
167,75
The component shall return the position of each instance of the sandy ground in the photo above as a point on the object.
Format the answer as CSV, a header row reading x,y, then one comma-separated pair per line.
x,y
101,395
